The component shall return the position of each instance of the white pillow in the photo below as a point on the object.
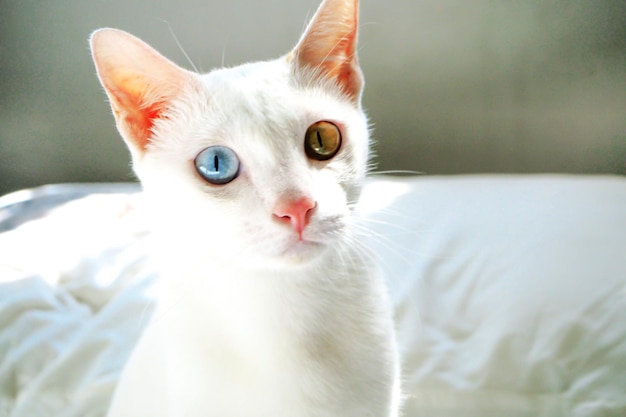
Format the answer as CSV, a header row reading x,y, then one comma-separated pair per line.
x,y
510,292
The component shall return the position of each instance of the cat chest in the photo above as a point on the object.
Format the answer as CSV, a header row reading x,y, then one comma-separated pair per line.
x,y
305,381
269,367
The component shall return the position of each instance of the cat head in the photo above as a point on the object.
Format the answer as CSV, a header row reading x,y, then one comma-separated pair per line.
x,y
259,163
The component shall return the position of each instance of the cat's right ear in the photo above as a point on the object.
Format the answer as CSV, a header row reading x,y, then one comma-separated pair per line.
x,y
139,81
328,47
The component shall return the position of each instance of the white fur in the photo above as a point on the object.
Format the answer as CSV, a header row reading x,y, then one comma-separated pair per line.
x,y
251,321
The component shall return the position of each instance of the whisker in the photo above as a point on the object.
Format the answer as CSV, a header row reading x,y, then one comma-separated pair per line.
x,y
399,172
224,53
180,46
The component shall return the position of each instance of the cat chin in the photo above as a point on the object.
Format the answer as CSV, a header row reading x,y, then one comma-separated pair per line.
x,y
298,254
301,253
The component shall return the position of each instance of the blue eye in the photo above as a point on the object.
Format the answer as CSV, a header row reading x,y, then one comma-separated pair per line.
x,y
217,164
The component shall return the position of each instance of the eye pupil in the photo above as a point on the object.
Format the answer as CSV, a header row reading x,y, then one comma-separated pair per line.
x,y
217,165
322,141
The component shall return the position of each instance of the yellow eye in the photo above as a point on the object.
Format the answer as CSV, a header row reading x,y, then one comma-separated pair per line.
x,y
322,141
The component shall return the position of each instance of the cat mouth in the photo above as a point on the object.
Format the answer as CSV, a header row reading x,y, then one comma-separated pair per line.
x,y
301,251
299,247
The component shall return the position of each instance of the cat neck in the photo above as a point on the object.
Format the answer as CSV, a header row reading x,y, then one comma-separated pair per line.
x,y
264,308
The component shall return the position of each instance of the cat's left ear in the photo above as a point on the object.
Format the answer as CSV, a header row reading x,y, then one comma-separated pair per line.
x,y
328,47
140,83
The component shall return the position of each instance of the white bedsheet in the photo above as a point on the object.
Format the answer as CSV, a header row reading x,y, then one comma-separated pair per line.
x,y
74,293
510,297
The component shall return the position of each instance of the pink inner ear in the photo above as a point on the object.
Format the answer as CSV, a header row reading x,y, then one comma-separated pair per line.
x,y
140,121
133,106
349,79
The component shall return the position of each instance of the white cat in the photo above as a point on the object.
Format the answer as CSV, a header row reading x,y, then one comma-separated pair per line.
x,y
269,306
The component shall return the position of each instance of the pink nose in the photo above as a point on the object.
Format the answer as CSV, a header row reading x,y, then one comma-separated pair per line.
x,y
297,212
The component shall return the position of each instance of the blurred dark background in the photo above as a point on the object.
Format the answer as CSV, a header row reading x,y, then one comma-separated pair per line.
x,y
453,86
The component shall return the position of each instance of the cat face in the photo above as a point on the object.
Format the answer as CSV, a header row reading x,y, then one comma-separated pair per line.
x,y
232,160
259,163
